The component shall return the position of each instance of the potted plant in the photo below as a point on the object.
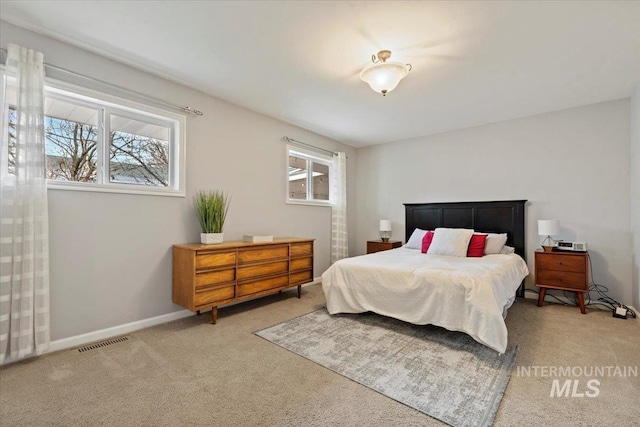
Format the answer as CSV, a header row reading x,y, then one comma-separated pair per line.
x,y
211,210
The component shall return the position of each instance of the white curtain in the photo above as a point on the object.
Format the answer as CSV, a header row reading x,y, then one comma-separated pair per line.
x,y
339,242
24,226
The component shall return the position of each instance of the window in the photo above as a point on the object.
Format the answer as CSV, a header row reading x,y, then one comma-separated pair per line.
x,y
308,177
97,142
71,141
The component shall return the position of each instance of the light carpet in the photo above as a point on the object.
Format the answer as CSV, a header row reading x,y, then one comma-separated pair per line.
x,y
444,374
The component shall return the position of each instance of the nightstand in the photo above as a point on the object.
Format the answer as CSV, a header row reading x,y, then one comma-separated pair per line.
x,y
563,270
379,245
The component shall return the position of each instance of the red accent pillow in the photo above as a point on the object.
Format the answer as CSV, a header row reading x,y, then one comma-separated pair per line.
x,y
426,241
476,245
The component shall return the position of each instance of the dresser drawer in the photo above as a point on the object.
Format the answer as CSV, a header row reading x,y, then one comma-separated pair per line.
x,y
301,249
301,264
205,260
215,277
263,269
301,277
210,296
256,286
262,253
562,279
560,262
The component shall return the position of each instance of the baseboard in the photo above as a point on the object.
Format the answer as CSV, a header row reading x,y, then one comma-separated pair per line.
x,y
113,331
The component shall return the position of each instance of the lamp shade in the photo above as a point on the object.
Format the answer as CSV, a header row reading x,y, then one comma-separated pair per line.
x,y
548,227
383,77
385,225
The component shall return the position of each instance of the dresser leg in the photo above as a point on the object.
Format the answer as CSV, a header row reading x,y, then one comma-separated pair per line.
x,y
541,296
299,291
214,315
198,313
581,302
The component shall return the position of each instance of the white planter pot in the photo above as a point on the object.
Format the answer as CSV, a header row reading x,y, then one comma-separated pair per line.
x,y
210,238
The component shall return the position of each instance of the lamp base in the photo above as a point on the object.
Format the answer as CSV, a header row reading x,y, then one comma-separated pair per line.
x,y
548,248
385,239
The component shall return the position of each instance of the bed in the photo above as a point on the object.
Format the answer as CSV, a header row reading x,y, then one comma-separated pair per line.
x,y
470,295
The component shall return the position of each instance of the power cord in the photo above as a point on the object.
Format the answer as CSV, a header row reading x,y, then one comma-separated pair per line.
x,y
604,298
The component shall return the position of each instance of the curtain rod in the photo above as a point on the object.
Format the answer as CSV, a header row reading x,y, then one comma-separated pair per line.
x,y
287,139
186,109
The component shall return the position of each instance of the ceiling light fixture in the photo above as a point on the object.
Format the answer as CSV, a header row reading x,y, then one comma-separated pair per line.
x,y
383,76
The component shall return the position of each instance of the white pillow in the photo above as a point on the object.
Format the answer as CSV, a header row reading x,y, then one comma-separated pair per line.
x,y
450,241
506,250
494,243
415,241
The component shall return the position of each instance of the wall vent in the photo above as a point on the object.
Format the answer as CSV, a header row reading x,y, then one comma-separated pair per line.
x,y
102,344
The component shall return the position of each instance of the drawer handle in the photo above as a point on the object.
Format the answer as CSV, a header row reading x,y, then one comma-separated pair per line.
x,y
560,263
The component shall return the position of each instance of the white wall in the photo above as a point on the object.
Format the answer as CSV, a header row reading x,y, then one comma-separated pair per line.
x,y
111,253
635,192
572,165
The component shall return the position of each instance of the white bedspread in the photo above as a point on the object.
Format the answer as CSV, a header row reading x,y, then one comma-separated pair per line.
x,y
459,294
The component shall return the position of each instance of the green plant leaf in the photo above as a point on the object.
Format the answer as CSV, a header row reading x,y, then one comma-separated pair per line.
x,y
211,210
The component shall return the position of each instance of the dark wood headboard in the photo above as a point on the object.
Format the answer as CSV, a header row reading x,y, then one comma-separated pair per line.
x,y
505,216
492,217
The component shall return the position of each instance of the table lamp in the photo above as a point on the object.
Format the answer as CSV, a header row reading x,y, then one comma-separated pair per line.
x,y
385,230
548,228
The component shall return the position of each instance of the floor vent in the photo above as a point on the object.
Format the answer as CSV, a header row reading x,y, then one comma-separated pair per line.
x,y
102,344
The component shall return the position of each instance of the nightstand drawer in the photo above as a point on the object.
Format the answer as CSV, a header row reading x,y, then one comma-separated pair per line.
x,y
563,279
378,246
559,262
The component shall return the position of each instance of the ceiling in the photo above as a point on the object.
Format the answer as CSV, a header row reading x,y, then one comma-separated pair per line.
x,y
473,62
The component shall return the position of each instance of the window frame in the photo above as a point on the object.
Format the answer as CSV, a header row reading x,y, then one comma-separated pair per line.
x,y
311,158
106,105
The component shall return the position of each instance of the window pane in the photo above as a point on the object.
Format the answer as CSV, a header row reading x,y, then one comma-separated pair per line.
x,y
320,181
138,152
71,141
297,178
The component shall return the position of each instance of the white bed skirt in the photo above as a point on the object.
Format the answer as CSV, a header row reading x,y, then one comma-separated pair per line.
x,y
456,293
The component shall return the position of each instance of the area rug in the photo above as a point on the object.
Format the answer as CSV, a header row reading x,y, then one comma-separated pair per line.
x,y
444,374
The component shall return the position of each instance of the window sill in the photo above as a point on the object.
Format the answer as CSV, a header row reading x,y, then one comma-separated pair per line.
x,y
53,185
309,203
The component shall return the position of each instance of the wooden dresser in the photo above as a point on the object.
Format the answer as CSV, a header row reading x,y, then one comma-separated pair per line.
x,y
207,276
562,270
